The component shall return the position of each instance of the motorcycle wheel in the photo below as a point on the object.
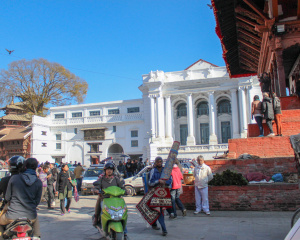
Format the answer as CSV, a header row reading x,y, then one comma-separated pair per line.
x,y
117,235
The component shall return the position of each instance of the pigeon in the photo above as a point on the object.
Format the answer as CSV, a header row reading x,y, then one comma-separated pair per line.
x,y
210,6
9,51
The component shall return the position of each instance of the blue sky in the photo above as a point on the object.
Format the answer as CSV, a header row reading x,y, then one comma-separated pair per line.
x,y
110,43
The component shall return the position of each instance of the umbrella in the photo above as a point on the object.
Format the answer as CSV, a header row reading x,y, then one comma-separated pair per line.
x,y
124,156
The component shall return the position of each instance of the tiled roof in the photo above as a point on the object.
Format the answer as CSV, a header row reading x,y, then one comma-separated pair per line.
x,y
15,133
16,117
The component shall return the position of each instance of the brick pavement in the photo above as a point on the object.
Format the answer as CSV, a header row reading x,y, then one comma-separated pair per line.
x,y
220,225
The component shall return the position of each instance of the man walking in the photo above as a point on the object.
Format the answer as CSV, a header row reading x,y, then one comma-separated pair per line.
x,y
154,181
203,175
50,188
78,175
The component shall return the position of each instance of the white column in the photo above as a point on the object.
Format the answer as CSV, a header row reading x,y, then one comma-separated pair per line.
x,y
161,117
235,114
212,119
190,115
243,113
250,99
152,106
169,119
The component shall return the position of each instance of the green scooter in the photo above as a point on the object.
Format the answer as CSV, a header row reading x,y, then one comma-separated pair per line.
x,y
113,214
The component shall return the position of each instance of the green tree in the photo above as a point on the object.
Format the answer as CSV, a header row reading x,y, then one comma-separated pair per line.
x,y
38,83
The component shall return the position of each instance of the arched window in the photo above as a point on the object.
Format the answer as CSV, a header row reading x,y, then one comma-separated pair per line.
x,y
202,108
224,106
181,110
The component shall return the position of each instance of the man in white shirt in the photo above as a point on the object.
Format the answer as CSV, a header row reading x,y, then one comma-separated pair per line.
x,y
203,175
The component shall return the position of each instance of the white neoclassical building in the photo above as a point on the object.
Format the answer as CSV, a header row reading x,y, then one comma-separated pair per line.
x,y
201,107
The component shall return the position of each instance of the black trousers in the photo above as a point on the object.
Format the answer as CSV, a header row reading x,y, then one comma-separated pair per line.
x,y
50,190
62,205
269,124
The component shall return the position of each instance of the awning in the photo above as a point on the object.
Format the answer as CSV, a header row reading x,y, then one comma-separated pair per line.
x,y
58,155
93,156
94,128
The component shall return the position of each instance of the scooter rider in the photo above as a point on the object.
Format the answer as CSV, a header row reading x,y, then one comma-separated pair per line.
x,y
105,181
15,164
24,192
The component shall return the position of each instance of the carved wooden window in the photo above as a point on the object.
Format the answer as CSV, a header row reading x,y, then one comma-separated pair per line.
x,y
94,134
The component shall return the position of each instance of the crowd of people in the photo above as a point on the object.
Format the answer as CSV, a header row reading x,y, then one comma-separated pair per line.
x,y
268,109
131,167
30,182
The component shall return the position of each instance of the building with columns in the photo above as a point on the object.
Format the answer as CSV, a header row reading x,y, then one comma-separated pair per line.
x,y
201,107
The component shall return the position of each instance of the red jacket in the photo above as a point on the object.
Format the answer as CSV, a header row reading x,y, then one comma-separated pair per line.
x,y
177,177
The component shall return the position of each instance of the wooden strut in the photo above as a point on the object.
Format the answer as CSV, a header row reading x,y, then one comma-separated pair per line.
x,y
248,45
248,54
255,9
252,64
246,21
251,35
242,11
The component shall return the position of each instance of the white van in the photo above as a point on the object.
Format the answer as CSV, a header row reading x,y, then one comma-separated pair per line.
x,y
134,185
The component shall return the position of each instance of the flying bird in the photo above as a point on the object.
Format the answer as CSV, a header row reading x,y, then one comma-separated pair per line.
x,y
9,51
210,6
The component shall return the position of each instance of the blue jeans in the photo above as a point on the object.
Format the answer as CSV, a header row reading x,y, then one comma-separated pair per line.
x,y
175,193
259,123
161,220
79,182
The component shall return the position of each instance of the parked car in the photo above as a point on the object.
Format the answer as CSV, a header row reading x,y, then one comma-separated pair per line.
x,y
135,185
91,175
4,173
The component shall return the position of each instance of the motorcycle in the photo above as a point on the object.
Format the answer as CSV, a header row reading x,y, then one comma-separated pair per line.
x,y
113,214
19,229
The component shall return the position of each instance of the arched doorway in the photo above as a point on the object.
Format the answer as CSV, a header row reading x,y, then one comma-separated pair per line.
x,y
115,151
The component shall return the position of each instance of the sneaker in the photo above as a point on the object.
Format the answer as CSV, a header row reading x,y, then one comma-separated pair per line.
x,y
69,211
207,213
164,234
184,212
196,212
172,216
155,228
261,136
53,204
62,214
271,135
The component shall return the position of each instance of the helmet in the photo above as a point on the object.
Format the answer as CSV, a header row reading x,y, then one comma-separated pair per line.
x,y
109,166
16,162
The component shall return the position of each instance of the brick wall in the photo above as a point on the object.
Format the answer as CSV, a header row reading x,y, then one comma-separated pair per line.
x,y
290,103
290,124
267,166
261,197
262,147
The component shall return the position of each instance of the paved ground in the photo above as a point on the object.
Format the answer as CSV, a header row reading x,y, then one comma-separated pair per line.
x,y
220,225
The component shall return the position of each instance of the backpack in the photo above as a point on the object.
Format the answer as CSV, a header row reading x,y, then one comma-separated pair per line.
x,y
277,103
